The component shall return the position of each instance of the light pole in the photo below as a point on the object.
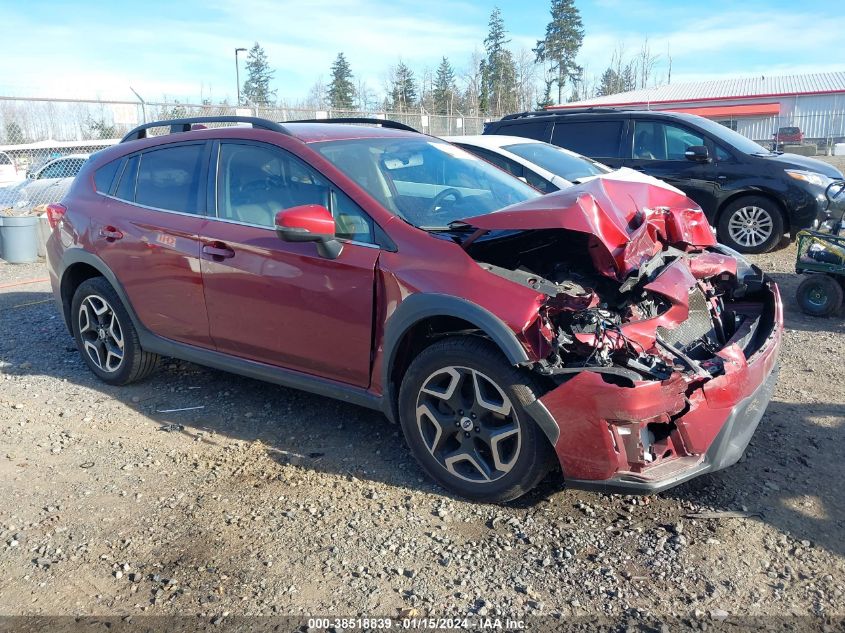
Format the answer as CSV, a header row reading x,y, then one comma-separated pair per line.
x,y
238,73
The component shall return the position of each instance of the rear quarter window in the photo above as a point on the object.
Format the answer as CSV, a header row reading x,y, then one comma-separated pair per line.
x,y
596,139
105,175
4,159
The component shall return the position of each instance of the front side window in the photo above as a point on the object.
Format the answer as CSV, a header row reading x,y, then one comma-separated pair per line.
x,y
428,183
654,140
255,182
171,178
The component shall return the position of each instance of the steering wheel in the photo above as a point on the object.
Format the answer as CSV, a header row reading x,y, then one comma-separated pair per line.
x,y
438,200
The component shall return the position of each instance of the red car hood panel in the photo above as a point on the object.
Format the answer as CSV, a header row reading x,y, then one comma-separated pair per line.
x,y
630,221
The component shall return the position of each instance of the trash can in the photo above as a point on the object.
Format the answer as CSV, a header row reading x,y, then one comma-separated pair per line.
x,y
19,239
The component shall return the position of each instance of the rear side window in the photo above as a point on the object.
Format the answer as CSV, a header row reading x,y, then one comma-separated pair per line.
x,y
537,130
4,160
596,139
498,160
171,178
104,176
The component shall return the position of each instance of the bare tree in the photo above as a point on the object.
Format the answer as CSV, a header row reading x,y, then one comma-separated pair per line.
x,y
471,80
526,79
645,64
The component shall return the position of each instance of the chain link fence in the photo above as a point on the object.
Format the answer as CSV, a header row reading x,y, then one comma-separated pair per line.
x,y
43,142
814,133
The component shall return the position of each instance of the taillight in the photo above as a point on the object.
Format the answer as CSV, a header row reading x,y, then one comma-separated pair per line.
x,y
55,213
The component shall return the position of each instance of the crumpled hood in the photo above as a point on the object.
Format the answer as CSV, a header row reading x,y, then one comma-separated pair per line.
x,y
629,220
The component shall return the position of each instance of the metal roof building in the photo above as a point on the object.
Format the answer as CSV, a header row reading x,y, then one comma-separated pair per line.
x,y
754,106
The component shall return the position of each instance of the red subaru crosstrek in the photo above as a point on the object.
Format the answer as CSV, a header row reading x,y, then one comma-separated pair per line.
x,y
600,327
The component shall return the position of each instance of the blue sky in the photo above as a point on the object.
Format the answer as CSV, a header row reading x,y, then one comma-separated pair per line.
x,y
185,49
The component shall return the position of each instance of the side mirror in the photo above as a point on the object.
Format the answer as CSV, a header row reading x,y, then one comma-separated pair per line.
x,y
309,223
697,153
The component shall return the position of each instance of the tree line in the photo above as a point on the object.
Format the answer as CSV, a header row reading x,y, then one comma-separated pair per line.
x,y
497,80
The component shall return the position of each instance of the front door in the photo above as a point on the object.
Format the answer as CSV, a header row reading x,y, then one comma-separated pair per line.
x,y
282,303
658,150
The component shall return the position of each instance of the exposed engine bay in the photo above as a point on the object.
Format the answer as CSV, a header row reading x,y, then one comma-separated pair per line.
x,y
651,338
638,328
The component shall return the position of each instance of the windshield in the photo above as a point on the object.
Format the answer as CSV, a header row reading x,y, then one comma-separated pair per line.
x,y
561,163
734,139
428,183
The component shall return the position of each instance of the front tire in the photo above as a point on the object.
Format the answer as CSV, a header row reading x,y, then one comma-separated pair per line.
x,y
105,335
461,408
752,224
819,295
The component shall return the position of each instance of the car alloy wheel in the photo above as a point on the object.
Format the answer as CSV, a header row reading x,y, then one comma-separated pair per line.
x,y
101,333
468,424
750,226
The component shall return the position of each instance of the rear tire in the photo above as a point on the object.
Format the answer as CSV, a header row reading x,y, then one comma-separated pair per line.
x,y
819,295
461,408
752,224
105,335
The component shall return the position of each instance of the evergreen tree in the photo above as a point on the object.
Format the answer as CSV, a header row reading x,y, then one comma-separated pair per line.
x,y
341,89
14,134
444,87
564,35
403,88
500,67
484,92
609,83
100,129
256,88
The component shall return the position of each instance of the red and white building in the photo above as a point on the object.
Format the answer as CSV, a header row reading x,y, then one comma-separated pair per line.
x,y
754,106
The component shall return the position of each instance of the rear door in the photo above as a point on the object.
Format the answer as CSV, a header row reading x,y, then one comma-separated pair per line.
x,y
277,302
658,150
147,232
601,138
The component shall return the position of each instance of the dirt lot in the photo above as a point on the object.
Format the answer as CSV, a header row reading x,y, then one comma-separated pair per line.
x,y
262,500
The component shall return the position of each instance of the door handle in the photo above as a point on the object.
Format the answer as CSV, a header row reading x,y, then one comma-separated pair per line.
x,y
218,250
111,233
638,168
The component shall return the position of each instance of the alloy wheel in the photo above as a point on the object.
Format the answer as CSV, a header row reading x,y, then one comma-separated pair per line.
x,y
101,334
468,424
750,226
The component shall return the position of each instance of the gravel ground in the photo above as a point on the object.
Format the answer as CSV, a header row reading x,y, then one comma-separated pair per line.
x,y
263,500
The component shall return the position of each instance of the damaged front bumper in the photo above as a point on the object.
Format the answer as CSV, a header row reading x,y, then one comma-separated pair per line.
x,y
649,435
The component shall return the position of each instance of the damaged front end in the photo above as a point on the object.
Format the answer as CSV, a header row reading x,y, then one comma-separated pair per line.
x,y
657,345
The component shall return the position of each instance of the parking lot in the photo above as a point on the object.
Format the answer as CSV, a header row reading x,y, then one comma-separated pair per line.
x,y
202,493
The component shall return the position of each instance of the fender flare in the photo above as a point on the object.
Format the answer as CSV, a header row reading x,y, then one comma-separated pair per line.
x,y
417,307
79,256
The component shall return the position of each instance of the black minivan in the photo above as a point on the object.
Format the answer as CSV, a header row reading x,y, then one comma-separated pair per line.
x,y
751,195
